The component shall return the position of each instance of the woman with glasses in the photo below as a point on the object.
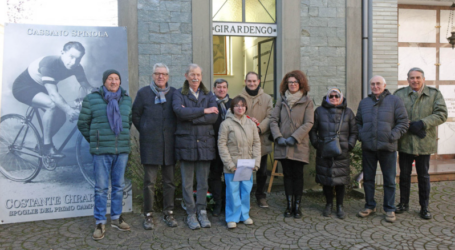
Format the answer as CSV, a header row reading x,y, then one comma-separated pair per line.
x,y
291,122
333,172
238,138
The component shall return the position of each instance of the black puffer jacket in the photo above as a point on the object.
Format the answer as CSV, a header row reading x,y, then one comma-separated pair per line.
x,y
195,137
381,122
333,171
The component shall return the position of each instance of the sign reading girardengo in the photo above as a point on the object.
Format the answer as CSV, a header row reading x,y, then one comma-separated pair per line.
x,y
244,29
47,72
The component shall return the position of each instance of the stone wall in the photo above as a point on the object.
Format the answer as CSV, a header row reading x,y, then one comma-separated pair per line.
x,y
385,41
164,35
323,45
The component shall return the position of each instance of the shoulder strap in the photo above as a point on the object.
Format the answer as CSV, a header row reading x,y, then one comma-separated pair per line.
x,y
341,122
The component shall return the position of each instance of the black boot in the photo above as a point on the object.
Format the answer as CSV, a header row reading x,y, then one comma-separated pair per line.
x,y
401,208
297,212
216,209
340,212
424,213
327,210
288,211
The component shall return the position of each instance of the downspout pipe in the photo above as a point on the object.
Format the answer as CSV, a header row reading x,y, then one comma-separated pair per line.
x,y
367,45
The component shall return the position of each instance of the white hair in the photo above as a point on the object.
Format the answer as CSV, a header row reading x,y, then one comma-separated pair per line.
x,y
383,79
192,66
160,65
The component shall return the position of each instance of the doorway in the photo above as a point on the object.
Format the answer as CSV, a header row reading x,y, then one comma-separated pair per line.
x,y
235,56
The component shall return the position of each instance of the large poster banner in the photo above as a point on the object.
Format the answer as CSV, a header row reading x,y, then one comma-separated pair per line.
x,y
46,170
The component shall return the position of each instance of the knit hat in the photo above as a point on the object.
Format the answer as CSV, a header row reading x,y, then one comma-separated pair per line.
x,y
108,72
336,90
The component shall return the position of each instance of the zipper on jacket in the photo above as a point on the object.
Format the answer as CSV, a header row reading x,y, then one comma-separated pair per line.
x,y
97,139
116,139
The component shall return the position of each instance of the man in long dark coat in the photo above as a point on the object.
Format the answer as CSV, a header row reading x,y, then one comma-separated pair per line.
x,y
155,120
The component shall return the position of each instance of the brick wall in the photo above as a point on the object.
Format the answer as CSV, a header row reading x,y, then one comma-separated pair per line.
x,y
323,45
164,35
385,41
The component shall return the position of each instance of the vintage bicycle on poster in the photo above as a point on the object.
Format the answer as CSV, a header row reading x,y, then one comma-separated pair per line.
x,y
45,164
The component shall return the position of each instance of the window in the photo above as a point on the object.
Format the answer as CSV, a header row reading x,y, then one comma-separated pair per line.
x,y
250,11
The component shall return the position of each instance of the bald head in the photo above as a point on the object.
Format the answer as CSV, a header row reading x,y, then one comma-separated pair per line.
x,y
377,84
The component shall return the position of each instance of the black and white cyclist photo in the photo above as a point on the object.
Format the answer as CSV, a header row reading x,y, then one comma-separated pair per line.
x,y
42,91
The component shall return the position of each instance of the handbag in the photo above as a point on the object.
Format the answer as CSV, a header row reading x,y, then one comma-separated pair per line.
x,y
331,145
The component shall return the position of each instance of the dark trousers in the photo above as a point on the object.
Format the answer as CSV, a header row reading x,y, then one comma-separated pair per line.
x,y
422,166
387,161
293,177
167,174
328,192
261,178
216,186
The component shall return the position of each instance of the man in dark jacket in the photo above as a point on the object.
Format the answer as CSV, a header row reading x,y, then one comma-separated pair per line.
x,y
217,187
105,121
426,109
155,120
196,110
382,120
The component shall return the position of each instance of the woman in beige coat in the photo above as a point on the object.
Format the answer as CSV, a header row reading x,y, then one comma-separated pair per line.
x,y
238,139
290,124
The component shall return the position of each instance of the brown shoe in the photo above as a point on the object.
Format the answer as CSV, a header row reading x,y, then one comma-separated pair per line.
x,y
366,212
390,217
98,234
120,224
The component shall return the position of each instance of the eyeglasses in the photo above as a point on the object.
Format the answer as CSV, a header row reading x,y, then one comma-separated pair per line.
x,y
161,74
239,106
334,96
293,82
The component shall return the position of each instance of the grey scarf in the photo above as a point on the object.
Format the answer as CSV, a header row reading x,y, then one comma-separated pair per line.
x,y
222,104
159,92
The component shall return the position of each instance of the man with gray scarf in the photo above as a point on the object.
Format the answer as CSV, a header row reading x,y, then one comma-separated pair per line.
x,y
217,187
155,120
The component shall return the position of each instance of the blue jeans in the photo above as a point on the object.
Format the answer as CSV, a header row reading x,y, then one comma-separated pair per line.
x,y
388,162
109,167
237,198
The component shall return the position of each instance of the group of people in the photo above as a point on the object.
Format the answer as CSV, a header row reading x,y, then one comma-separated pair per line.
x,y
209,132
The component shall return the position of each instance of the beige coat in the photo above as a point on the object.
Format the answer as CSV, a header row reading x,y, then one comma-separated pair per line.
x,y
296,123
238,139
260,107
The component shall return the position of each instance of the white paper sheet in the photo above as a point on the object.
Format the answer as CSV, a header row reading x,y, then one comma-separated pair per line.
x,y
244,169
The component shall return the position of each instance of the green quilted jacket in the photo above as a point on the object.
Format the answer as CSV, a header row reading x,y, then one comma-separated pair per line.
x,y
431,108
94,125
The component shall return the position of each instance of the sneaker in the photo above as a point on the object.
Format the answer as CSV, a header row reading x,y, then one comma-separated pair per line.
x,y
248,221
148,222
262,202
192,222
366,212
169,219
231,225
390,217
401,208
120,224
202,218
99,232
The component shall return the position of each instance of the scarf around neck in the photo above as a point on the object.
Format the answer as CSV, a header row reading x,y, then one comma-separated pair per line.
x,y
291,99
222,104
113,110
253,92
159,92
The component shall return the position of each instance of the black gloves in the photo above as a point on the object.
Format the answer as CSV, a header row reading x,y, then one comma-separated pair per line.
x,y
418,129
290,141
281,141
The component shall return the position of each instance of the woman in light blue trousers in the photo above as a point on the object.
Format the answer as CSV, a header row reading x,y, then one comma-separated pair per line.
x,y
238,138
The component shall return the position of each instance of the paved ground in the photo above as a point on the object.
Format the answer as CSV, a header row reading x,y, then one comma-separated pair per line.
x,y
270,230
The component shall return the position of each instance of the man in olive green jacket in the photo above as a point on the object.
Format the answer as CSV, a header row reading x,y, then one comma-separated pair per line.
x,y
426,109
